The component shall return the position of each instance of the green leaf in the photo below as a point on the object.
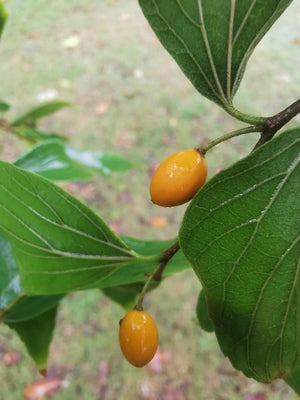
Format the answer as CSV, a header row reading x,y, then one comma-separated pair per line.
x,y
59,244
28,132
211,40
30,307
10,289
105,163
202,313
49,159
135,272
4,107
241,234
294,380
36,334
123,295
3,17
10,286
56,161
41,111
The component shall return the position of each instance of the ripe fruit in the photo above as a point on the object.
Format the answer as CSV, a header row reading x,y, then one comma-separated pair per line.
x,y
138,337
178,178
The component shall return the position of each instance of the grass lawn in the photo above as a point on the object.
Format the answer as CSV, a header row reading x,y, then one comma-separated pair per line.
x,y
131,98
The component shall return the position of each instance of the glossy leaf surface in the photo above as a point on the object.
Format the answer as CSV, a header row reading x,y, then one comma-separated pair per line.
x,y
211,40
241,234
59,244
10,286
49,159
104,163
56,161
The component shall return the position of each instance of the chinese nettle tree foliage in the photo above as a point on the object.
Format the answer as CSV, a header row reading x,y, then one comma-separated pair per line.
x,y
240,233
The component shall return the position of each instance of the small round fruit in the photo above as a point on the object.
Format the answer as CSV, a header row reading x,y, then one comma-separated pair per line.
x,y
138,337
178,178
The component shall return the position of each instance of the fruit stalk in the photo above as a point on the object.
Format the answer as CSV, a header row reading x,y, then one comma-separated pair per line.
x,y
158,271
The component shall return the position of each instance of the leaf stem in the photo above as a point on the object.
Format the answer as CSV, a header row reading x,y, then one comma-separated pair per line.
x,y
249,119
7,127
158,271
266,126
243,131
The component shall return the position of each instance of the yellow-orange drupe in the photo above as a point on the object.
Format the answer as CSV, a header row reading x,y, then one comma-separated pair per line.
x,y
138,337
178,178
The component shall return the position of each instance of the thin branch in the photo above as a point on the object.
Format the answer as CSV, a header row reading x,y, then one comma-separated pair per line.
x,y
277,121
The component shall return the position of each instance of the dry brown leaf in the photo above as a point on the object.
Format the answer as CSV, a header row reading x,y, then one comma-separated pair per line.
x,y
41,388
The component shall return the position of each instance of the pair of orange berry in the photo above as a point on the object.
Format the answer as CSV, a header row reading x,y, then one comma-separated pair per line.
x,y
178,178
176,181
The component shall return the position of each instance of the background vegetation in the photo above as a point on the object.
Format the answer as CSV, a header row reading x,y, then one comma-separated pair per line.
x,y
131,98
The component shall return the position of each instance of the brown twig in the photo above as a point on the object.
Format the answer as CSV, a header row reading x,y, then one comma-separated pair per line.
x,y
157,273
165,258
277,121
6,126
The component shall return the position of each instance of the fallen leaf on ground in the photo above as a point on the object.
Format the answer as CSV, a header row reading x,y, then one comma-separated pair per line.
x,y
152,168
125,141
173,121
103,373
125,197
71,42
124,17
11,358
47,95
159,222
102,107
255,396
117,227
44,387
160,358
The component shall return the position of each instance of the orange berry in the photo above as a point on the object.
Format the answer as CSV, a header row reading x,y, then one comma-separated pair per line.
x,y
138,337
178,178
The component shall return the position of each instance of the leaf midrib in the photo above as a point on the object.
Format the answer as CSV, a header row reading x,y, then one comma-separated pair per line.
x,y
179,38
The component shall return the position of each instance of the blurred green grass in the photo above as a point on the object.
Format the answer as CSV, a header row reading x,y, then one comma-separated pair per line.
x,y
150,111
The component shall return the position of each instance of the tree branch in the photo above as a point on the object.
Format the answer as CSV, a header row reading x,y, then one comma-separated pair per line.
x,y
276,122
